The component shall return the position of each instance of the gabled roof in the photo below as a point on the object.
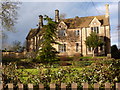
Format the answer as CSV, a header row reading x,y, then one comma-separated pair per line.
x,y
84,21
32,33
73,23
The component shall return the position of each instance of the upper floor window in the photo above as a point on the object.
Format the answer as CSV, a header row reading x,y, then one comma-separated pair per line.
x,y
95,29
77,32
62,48
61,32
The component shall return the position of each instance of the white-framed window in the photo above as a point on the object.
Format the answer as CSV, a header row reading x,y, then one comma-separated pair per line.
x,y
61,32
62,48
77,32
77,47
95,29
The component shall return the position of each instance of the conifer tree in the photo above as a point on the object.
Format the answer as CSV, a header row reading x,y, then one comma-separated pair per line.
x,y
47,53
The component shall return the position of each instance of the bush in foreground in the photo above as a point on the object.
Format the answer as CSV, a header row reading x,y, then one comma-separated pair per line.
x,y
105,71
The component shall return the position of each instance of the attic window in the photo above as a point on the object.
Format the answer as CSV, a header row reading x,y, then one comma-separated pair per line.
x,y
61,32
77,32
95,29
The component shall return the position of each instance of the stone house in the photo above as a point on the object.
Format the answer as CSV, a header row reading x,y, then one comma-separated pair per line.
x,y
72,33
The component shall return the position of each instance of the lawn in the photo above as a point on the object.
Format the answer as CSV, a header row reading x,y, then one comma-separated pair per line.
x,y
36,71
77,71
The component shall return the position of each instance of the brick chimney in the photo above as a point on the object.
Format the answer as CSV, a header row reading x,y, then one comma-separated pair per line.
x,y
40,21
56,15
107,10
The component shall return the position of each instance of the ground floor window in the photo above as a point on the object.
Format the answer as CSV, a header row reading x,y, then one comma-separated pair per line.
x,y
62,48
77,47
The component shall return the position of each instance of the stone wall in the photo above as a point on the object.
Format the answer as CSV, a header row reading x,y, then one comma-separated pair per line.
x,y
14,54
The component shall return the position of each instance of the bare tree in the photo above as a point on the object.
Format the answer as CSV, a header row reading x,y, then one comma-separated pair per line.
x,y
62,16
4,40
8,14
16,46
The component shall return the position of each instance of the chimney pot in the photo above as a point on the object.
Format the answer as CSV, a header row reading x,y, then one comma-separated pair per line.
x,y
56,15
107,10
40,21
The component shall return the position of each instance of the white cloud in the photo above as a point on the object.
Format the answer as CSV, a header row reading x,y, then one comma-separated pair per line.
x,y
114,37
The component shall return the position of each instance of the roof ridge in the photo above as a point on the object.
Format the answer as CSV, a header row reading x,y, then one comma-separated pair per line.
x,y
82,17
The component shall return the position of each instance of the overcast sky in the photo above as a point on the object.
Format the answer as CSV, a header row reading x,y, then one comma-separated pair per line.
x,y
29,12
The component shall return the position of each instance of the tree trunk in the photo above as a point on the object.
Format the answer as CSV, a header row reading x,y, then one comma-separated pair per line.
x,y
94,52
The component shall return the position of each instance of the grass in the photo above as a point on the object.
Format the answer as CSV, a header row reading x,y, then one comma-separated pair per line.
x,y
85,57
26,75
36,71
27,72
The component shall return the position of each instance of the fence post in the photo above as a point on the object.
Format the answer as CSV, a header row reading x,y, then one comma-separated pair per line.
x,y
85,86
96,86
20,86
107,86
117,86
41,86
1,86
63,86
52,86
10,86
74,86
30,86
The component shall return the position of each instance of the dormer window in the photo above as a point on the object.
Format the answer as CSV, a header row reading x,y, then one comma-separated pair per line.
x,y
77,32
61,32
95,29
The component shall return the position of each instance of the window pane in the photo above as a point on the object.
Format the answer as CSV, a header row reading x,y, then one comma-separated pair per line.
x,y
76,32
61,33
64,47
97,29
77,46
91,28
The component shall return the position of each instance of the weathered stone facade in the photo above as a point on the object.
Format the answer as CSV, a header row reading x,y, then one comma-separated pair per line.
x,y
72,34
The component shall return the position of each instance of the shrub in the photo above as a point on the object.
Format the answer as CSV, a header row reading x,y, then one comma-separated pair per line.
x,y
6,60
115,53
99,71
77,56
65,58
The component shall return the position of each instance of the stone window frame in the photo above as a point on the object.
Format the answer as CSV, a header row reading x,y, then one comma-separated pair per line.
x,y
77,47
62,47
62,32
77,32
95,29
